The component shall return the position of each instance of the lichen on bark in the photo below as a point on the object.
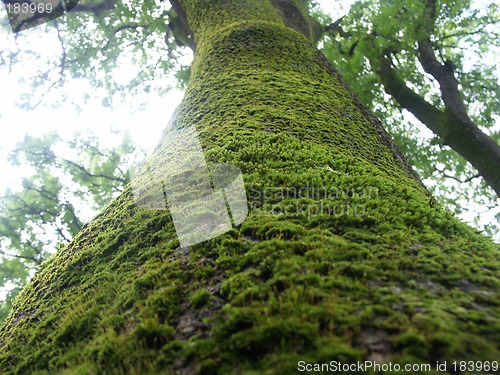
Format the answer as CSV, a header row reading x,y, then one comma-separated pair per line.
x,y
343,257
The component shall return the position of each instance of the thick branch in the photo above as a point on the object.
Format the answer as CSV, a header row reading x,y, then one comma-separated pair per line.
x,y
410,100
336,28
462,136
444,75
182,22
296,16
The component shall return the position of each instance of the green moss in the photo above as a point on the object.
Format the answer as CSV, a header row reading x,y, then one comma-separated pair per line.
x,y
199,298
153,333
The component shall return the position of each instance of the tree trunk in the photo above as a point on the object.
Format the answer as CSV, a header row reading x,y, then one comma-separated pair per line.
x,y
343,257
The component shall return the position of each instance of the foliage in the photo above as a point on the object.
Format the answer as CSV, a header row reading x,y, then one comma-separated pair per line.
x,y
71,180
465,36
121,48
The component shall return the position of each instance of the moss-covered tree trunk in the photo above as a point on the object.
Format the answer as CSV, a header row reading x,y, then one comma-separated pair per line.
x,y
343,257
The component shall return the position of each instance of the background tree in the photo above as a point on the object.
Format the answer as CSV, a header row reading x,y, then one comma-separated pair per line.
x,y
437,61
71,181
403,281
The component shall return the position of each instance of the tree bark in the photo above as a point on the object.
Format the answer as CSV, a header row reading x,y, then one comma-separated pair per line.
x,y
343,257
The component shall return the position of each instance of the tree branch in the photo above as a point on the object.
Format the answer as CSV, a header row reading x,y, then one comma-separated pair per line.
x,y
97,9
84,170
63,64
35,249
444,75
32,258
468,179
335,28
409,99
462,136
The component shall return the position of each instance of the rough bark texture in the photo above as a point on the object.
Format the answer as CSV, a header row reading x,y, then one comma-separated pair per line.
x,y
343,257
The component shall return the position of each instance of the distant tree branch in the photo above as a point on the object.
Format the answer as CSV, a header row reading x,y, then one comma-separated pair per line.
x,y
465,33
468,179
35,249
104,155
129,26
90,174
61,234
97,9
121,28
62,66
18,256
36,211
93,148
